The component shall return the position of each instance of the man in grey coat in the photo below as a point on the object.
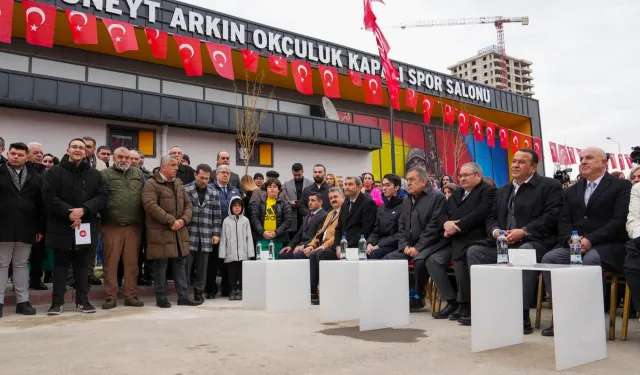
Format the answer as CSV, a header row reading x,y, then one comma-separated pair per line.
x,y
293,188
418,229
204,227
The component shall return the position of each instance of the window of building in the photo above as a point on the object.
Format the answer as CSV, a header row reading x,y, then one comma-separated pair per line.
x,y
262,155
473,63
475,78
486,82
485,74
108,77
143,140
474,70
58,69
484,58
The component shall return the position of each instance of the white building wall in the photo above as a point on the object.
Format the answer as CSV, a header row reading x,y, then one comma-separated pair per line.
x,y
54,131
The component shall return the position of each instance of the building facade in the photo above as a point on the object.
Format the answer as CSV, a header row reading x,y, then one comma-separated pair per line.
x,y
485,68
50,95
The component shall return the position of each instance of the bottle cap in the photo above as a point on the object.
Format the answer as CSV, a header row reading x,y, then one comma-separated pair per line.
x,y
574,232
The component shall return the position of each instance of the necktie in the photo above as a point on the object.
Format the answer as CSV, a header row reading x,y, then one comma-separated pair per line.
x,y
309,218
350,203
590,188
466,193
224,190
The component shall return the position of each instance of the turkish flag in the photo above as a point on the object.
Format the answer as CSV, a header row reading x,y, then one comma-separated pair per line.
x,y
621,162
537,147
411,99
563,156
449,114
189,49
491,134
84,27
6,20
572,155
427,109
369,18
221,58
463,121
579,151
302,77
40,23
250,60
515,142
614,162
394,94
122,34
330,81
356,78
526,141
158,41
278,65
504,138
554,152
477,129
629,161
372,89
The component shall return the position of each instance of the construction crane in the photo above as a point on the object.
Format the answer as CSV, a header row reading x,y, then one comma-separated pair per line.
x,y
498,22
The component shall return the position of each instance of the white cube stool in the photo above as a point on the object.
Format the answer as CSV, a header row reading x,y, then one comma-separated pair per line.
x,y
276,286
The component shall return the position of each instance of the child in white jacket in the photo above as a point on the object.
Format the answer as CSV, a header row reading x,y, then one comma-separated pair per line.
x,y
236,245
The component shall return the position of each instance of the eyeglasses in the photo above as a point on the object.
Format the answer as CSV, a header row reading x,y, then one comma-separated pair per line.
x,y
387,185
75,147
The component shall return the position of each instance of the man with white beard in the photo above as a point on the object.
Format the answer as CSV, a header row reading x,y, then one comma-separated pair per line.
x,y
122,221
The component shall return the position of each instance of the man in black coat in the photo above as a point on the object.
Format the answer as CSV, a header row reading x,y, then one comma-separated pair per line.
x,y
596,207
223,158
308,229
34,161
186,174
527,209
462,223
418,229
384,237
73,194
357,217
318,186
21,223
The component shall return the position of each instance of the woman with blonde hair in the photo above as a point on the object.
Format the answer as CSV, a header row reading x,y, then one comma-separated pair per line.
x,y
248,186
332,180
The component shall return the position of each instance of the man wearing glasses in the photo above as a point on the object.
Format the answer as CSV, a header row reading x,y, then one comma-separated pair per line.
x,y
527,210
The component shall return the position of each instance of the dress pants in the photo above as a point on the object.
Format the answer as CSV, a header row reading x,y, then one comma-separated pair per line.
x,y
145,266
291,255
121,242
179,278
438,265
77,258
37,257
314,264
198,261
235,274
379,253
18,253
212,273
479,254
562,256
419,270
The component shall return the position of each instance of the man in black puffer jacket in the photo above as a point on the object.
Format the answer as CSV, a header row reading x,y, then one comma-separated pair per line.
x,y
384,239
73,194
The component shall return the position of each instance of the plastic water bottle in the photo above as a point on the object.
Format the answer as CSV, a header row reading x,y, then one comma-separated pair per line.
x,y
272,249
343,247
362,248
503,248
575,248
259,250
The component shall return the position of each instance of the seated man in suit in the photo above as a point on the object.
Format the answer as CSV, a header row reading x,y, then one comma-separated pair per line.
x,y
597,208
527,209
323,239
357,217
418,229
462,223
308,229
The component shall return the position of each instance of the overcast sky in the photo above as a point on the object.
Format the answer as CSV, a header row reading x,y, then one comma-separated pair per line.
x,y
585,54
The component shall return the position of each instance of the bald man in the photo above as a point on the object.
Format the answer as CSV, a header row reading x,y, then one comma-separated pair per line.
x,y
596,207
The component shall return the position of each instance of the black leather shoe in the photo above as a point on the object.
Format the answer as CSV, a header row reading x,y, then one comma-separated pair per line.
x,y
25,308
163,303
416,304
444,313
315,299
211,295
188,302
465,316
527,329
93,280
37,285
548,332
197,295
456,314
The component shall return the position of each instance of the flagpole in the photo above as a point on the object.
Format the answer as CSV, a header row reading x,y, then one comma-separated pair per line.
x,y
391,135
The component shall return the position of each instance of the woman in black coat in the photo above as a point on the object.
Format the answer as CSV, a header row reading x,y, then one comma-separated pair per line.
x,y
383,239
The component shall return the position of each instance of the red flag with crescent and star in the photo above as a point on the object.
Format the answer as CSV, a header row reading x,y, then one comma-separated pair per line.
x,y
157,40
449,114
189,49
250,60
221,59
427,109
330,81
491,134
40,23
6,20
372,89
122,34
84,27
572,155
563,155
504,138
514,145
537,147
614,162
302,77
554,152
356,78
278,65
394,94
629,161
477,129
526,141
463,122
411,99
621,162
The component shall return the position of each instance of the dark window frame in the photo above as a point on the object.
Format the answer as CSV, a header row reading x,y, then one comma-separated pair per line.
x,y
133,132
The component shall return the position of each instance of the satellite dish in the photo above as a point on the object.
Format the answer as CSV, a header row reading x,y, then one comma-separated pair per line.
x,y
329,109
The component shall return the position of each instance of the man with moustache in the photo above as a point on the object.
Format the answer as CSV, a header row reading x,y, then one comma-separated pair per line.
x,y
293,189
318,186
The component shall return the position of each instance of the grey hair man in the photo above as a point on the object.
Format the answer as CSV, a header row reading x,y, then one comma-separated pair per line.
x,y
224,158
